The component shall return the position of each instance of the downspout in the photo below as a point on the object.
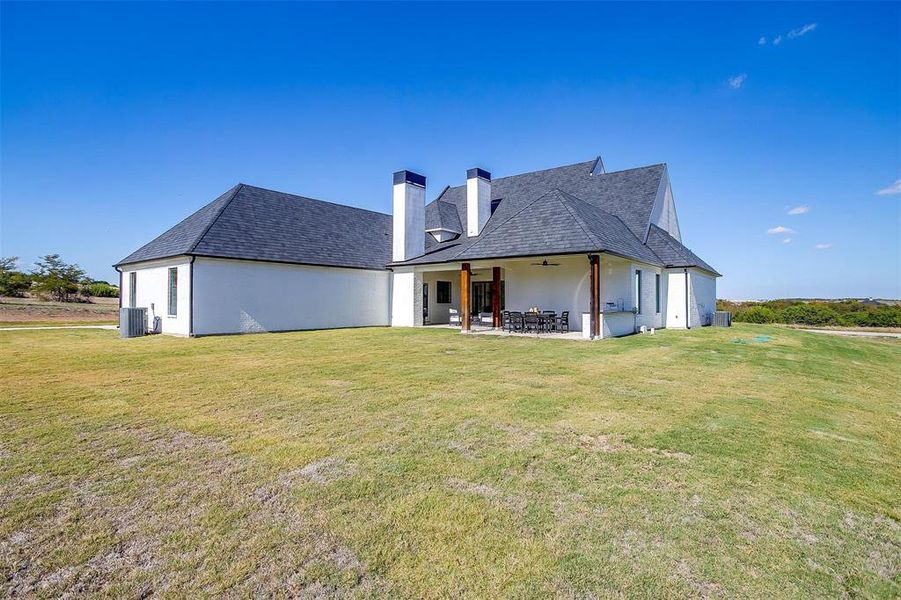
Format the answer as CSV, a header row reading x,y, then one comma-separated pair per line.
x,y
119,271
191,296
687,307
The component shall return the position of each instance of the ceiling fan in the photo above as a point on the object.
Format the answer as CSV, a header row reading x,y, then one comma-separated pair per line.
x,y
545,263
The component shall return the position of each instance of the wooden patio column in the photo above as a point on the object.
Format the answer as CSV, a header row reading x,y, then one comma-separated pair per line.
x,y
465,292
595,292
496,297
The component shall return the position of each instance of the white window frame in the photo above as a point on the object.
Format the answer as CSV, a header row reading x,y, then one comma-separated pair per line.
x,y
172,292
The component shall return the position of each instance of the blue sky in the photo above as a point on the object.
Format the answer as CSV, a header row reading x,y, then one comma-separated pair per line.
x,y
120,119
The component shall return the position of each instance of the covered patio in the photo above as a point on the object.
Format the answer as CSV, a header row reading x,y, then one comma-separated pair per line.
x,y
591,296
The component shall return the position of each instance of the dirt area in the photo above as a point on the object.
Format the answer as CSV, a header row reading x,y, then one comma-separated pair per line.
x,y
31,310
882,332
846,329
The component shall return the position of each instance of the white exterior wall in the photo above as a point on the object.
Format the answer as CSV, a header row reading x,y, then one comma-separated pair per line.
x,y
406,299
616,283
649,317
152,292
701,297
675,299
234,296
440,313
565,287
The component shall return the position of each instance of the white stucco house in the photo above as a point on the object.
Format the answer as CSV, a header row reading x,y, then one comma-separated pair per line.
x,y
573,238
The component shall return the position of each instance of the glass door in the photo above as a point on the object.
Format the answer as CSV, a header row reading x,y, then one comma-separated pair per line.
x,y
481,296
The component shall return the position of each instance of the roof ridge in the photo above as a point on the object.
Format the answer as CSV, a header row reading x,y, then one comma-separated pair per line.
x,y
578,219
681,249
584,162
441,195
664,240
315,199
215,218
604,174
663,164
668,239
609,214
502,223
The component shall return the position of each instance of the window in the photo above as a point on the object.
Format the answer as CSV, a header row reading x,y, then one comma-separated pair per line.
x,y
173,291
494,204
132,289
657,291
443,295
638,290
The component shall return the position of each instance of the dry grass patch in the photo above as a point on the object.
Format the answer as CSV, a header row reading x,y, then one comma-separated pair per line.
x,y
342,463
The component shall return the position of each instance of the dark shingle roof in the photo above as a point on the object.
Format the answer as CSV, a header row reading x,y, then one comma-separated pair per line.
x,y
672,252
556,223
562,210
258,224
556,211
628,195
182,238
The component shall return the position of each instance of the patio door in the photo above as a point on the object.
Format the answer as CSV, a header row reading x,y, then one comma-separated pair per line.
x,y
481,296
425,303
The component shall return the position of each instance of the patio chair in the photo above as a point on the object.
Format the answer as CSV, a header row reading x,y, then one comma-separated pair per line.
x,y
486,319
516,322
549,321
531,322
561,323
505,319
454,317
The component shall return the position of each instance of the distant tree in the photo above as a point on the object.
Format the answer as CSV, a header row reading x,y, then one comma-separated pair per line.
x,y
12,282
57,279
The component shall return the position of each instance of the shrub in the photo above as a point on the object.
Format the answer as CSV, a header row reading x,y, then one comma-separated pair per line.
x,y
756,314
99,289
809,314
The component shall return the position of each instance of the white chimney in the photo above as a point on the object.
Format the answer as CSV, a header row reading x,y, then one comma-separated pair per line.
x,y
478,200
409,216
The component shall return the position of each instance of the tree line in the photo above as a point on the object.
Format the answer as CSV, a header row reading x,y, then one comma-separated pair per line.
x,y
52,278
843,313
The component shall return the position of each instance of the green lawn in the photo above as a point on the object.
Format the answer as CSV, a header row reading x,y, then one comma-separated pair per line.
x,y
423,463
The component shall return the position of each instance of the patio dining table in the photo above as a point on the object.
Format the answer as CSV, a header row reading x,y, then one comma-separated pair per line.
x,y
544,319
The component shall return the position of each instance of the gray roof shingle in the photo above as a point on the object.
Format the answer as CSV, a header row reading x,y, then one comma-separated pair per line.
x,y
181,238
672,252
555,211
258,224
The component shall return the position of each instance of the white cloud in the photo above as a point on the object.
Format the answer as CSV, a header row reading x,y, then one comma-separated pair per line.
x,y
823,246
787,241
891,190
737,81
794,33
779,230
799,210
803,30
